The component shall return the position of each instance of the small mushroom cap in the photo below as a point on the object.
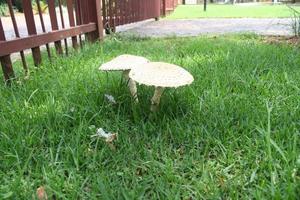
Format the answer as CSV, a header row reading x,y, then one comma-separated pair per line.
x,y
161,74
123,62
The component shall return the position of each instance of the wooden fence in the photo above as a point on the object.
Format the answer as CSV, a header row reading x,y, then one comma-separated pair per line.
x,y
119,12
170,5
85,19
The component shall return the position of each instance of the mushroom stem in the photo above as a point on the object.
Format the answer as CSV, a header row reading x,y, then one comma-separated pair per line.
x,y
132,85
156,98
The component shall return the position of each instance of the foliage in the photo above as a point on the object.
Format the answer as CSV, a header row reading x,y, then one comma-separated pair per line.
x,y
3,10
18,5
232,134
44,7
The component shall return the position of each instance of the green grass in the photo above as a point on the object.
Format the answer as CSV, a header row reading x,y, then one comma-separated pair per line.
x,y
231,11
234,133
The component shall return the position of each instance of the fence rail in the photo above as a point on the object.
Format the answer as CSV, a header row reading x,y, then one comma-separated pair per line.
x,y
83,20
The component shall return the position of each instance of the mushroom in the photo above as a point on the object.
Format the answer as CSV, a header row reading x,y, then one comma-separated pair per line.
x,y
125,63
161,75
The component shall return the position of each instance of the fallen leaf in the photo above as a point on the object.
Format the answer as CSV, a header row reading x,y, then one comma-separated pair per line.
x,y
109,137
41,193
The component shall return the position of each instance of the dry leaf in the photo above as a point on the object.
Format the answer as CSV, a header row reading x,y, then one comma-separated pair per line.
x,y
41,193
109,137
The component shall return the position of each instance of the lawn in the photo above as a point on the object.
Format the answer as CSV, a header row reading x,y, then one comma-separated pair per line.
x,y
232,134
232,11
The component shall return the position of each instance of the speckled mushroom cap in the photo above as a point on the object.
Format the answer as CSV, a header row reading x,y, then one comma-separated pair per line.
x,y
123,62
161,74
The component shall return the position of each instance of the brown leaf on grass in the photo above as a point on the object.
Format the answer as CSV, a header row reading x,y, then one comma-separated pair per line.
x,y
41,193
111,138
108,136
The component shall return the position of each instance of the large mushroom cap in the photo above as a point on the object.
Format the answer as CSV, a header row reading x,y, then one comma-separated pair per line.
x,y
124,62
161,74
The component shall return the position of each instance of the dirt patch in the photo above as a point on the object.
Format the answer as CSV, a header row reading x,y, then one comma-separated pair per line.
x,y
291,40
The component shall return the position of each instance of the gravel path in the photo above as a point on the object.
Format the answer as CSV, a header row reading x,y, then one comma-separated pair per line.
x,y
183,27
194,27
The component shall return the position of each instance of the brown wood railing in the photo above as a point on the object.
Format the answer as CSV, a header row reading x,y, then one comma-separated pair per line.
x,y
84,20
88,21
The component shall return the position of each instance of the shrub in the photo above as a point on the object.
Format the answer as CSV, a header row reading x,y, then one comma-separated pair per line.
x,y
44,7
18,5
3,10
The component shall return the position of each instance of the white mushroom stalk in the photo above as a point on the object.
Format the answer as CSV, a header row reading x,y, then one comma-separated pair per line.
x,y
161,75
156,98
131,85
125,63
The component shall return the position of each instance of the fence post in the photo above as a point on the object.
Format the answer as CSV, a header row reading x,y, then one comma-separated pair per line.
x,y
164,7
6,64
95,15
30,23
70,4
157,9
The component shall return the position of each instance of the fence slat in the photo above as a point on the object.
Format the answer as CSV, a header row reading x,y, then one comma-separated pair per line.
x,y
78,18
43,26
54,24
12,15
164,7
84,11
94,11
114,15
84,14
110,15
99,19
104,13
122,3
117,13
30,23
72,21
63,25
5,60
